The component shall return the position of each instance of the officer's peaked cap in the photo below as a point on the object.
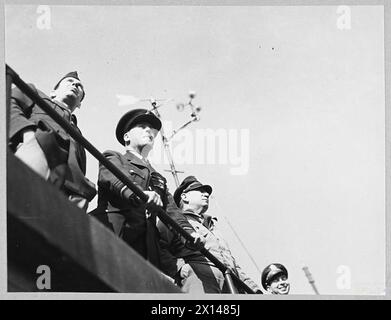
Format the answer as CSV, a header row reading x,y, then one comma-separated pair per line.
x,y
133,117
188,184
271,271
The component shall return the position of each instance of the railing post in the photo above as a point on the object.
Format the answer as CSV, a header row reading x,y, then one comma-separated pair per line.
x,y
8,84
230,282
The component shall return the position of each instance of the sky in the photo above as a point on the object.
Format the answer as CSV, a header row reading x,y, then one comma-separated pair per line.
x,y
292,126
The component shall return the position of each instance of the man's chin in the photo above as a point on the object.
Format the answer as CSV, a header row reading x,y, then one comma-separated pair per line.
x,y
71,100
148,142
146,147
205,208
72,95
284,291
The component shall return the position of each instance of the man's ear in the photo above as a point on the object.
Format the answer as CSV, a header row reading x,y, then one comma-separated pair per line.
x,y
184,197
126,138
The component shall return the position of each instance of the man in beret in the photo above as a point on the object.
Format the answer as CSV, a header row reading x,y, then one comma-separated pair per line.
x,y
121,210
46,147
193,198
275,279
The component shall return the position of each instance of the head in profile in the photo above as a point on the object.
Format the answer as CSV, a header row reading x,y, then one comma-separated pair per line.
x,y
275,279
193,195
137,130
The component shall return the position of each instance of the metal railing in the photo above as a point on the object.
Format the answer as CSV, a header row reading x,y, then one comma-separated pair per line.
x,y
13,77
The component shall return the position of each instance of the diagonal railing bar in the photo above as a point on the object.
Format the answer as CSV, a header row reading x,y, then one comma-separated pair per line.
x,y
163,216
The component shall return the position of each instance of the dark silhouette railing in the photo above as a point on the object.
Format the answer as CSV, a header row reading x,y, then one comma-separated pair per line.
x,y
232,280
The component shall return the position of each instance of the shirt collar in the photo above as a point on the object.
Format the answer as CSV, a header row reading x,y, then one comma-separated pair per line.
x,y
205,219
61,104
192,213
138,156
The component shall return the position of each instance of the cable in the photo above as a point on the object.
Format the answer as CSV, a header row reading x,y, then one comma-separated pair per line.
x,y
237,236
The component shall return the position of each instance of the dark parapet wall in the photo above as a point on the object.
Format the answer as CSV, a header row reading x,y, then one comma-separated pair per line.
x,y
45,229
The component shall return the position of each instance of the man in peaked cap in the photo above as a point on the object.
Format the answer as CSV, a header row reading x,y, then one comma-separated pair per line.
x,y
120,209
193,198
275,279
45,146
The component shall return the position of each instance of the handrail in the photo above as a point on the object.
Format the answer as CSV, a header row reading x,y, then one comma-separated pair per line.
x,y
8,84
163,216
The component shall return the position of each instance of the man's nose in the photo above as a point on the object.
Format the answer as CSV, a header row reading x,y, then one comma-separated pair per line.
x,y
76,84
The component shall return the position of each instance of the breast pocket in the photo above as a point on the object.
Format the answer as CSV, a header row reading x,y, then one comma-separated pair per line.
x,y
201,230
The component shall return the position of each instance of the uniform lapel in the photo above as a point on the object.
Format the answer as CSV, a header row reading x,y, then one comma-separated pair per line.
x,y
207,221
135,160
192,215
70,117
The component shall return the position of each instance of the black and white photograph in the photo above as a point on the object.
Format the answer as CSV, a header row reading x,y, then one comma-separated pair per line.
x,y
195,151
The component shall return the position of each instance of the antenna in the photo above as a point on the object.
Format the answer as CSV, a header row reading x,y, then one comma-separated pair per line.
x,y
310,279
237,236
173,170
195,110
242,244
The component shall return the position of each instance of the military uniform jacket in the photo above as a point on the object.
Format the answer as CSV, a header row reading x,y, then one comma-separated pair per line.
x,y
58,147
115,199
206,226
